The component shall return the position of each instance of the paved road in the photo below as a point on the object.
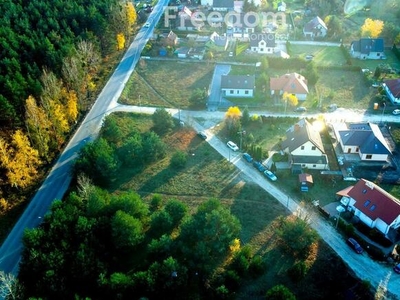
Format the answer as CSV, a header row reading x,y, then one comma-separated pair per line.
x,y
59,178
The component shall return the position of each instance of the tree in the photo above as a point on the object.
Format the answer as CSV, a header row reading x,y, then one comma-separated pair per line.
x,y
153,147
279,292
334,24
371,28
290,99
311,74
127,231
198,96
177,210
232,119
120,41
162,121
19,160
245,116
179,159
9,286
131,14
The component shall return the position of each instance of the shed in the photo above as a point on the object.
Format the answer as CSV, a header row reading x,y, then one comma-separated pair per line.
x,y
306,181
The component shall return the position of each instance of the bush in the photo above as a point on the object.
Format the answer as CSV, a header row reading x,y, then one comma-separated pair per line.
x,y
257,266
179,159
232,280
298,271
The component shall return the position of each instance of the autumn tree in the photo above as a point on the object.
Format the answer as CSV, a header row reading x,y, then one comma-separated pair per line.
x,y
38,126
131,14
290,99
232,119
372,28
120,41
19,160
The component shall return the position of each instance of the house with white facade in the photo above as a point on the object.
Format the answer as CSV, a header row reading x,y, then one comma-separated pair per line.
x,y
392,89
367,48
315,28
262,43
364,139
292,83
375,207
238,85
304,146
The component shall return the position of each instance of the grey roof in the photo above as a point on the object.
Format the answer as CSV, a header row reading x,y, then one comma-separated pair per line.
x,y
269,38
301,133
367,45
367,136
304,159
313,24
223,3
237,81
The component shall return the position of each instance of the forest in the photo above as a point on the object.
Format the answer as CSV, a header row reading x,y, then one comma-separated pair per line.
x,y
50,72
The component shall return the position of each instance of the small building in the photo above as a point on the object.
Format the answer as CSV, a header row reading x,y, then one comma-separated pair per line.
x,y
171,39
367,48
281,6
316,28
292,83
392,89
238,85
306,181
182,52
262,43
217,43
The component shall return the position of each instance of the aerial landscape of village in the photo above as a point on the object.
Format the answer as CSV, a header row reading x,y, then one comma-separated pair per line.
x,y
200,149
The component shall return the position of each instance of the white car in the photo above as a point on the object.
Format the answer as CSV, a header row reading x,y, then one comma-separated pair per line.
x,y
232,145
396,112
147,25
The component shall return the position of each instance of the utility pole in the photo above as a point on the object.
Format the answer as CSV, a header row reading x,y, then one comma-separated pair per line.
x,y
241,138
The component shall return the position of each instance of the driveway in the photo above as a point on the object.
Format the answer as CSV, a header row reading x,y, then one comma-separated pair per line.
x,y
215,98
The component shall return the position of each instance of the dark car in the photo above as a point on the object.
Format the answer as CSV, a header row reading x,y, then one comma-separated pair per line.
x,y
396,268
300,109
258,165
247,157
202,135
355,245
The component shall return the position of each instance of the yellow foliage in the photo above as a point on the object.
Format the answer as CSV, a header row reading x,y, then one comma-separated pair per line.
x,y
60,117
131,13
397,39
71,105
3,205
290,98
371,28
120,41
234,246
21,169
233,113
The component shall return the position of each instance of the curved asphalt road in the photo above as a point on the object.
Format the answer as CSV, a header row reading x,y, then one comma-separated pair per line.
x,y
59,178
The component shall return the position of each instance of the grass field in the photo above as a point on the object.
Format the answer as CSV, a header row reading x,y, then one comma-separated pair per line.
x,y
166,83
208,175
323,56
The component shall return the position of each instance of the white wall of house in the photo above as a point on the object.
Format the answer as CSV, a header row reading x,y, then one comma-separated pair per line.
x,y
207,2
349,149
392,98
378,223
371,55
238,92
300,97
373,157
307,149
314,166
262,48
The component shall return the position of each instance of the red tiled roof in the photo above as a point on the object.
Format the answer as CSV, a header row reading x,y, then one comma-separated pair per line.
x,y
375,202
394,86
345,192
292,83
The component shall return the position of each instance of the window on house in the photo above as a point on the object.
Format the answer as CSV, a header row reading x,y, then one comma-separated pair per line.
x,y
314,166
261,49
372,208
302,148
369,156
364,191
231,91
246,92
313,148
366,203
303,165
237,92
357,149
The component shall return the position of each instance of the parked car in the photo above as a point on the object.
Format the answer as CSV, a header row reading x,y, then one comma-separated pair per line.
x,y
396,112
332,107
396,268
232,145
259,166
309,57
202,135
147,25
300,109
355,245
247,157
270,175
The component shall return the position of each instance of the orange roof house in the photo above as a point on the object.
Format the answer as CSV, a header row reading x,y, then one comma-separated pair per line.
x,y
292,83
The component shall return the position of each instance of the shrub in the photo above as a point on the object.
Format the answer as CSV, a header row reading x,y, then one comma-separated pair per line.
x,y
257,266
298,271
179,159
232,280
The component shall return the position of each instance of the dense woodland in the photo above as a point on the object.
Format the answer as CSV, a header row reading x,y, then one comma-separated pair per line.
x,y
50,58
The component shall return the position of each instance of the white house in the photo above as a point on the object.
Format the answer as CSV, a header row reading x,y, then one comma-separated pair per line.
x,y
262,43
367,48
364,139
304,145
315,28
238,85
281,6
392,89
375,207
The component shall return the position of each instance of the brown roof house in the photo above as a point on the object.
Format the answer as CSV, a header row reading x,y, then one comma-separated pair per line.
x,y
305,148
392,89
315,28
292,83
171,39
375,207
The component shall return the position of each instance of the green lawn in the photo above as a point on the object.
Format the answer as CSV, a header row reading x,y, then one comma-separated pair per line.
x,y
323,55
208,175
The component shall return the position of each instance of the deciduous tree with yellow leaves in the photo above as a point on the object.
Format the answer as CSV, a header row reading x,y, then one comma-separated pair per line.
x,y
120,41
131,14
290,99
19,160
232,119
371,28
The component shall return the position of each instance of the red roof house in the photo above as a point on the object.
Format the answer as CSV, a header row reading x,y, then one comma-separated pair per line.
x,y
374,206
